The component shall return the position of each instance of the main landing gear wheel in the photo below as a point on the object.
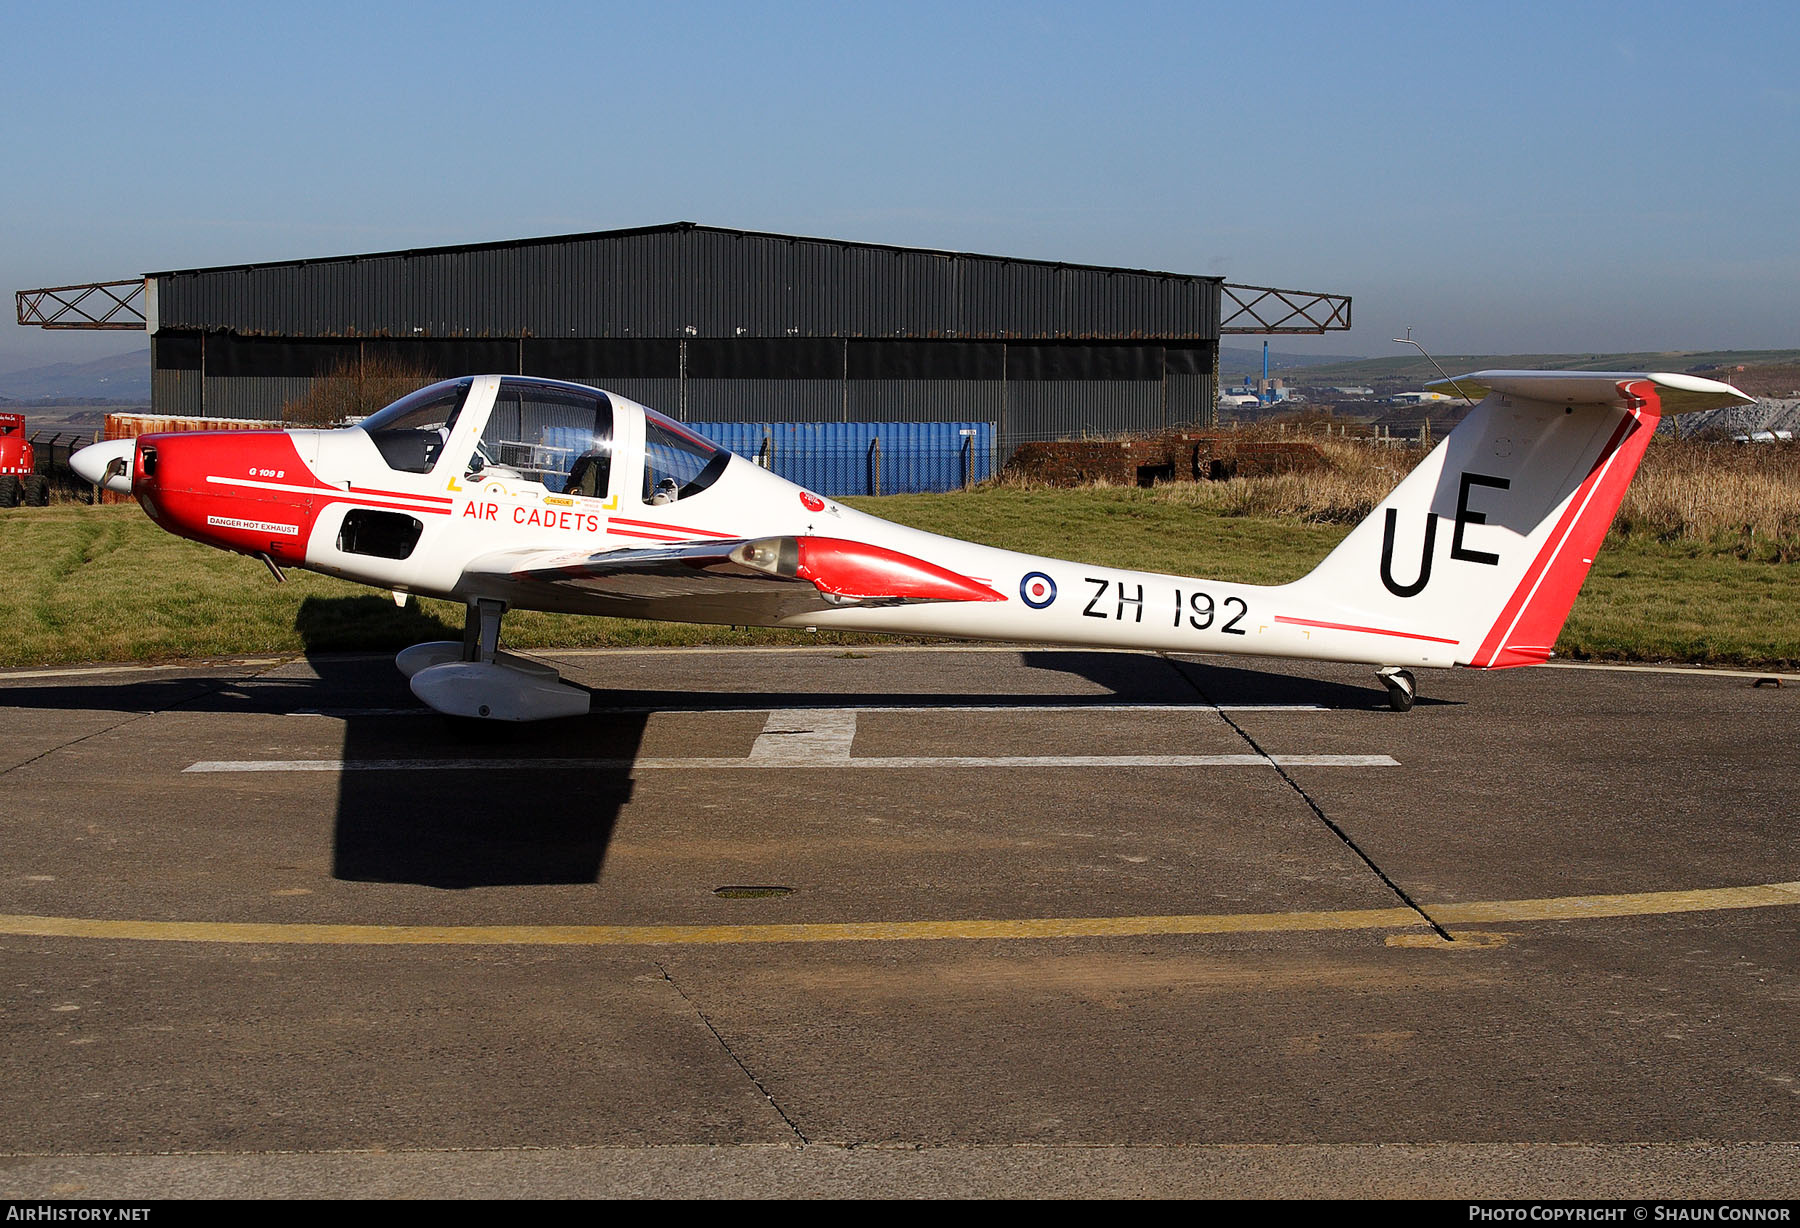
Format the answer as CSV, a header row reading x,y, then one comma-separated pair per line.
x,y
476,680
1400,688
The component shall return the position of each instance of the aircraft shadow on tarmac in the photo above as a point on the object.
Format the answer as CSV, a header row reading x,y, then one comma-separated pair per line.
x,y
536,822
528,820
1143,677
1128,678
369,680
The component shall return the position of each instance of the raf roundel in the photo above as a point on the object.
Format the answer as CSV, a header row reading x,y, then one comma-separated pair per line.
x,y
1037,590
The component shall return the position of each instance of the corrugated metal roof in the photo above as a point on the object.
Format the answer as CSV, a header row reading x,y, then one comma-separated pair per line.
x,y
687,280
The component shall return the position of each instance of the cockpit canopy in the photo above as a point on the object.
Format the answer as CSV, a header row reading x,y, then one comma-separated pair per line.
x,y
678,464
557,435
568,438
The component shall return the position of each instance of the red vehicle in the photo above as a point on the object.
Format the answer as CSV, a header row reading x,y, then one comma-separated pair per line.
x,y
18,481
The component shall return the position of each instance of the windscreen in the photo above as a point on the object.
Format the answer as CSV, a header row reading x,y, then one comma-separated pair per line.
x,y
411,432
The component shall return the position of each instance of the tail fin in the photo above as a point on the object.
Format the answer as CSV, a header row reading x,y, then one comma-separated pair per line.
x,y
1475,558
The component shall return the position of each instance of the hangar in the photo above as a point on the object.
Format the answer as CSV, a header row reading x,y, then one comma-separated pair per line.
x,y
709,324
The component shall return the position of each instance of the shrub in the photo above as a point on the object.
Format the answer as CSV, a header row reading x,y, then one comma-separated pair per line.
x,y
355,389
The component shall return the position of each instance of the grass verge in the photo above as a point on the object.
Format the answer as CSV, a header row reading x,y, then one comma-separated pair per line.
x,y
104,584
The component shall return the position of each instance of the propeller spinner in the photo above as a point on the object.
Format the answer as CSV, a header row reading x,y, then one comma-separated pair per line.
x,y
106,464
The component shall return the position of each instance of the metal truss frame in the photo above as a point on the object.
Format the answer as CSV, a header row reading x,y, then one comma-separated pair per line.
x,y
1264,309
96,305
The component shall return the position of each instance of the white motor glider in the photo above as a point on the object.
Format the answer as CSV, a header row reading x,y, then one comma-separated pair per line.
x,y
507,492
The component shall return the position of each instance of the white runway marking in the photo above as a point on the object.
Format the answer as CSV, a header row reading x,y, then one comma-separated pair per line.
x,y
646,709
807,738
775,761
801,736
1278,707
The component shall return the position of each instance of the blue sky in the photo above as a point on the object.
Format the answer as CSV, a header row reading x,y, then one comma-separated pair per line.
x,y
1500,177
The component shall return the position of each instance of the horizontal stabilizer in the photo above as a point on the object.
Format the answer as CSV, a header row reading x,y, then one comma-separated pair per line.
x,y
1680,394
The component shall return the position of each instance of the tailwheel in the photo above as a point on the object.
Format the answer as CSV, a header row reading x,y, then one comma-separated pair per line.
x,y
1401,688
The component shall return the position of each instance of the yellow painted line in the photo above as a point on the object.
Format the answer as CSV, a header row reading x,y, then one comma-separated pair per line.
x,y
85,671
701,935
1565,908
1637,904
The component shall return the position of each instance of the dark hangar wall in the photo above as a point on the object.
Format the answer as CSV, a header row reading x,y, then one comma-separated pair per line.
x,y
712,324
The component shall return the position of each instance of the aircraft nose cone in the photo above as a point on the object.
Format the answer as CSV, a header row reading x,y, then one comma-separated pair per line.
x,y
95,464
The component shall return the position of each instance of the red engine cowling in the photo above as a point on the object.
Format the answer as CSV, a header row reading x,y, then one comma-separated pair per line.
x,y
247,491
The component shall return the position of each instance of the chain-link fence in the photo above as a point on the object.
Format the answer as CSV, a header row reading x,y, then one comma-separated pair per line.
x,y
50,458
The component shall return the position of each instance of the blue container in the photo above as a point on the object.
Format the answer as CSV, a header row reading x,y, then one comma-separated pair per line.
x,y
864,458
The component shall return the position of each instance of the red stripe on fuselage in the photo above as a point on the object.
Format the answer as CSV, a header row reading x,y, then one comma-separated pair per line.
x,y
400,494
669,528
398,507
654,537
332,494
1405,635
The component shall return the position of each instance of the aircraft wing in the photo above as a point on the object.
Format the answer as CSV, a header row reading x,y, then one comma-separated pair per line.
x,y
746,581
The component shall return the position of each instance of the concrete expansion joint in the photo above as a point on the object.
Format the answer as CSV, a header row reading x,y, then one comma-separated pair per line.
x,y
138,716
1318,811
736,1060
206,688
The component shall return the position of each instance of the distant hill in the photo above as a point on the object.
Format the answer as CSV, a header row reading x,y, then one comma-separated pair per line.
x,y
1235,361
120,380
